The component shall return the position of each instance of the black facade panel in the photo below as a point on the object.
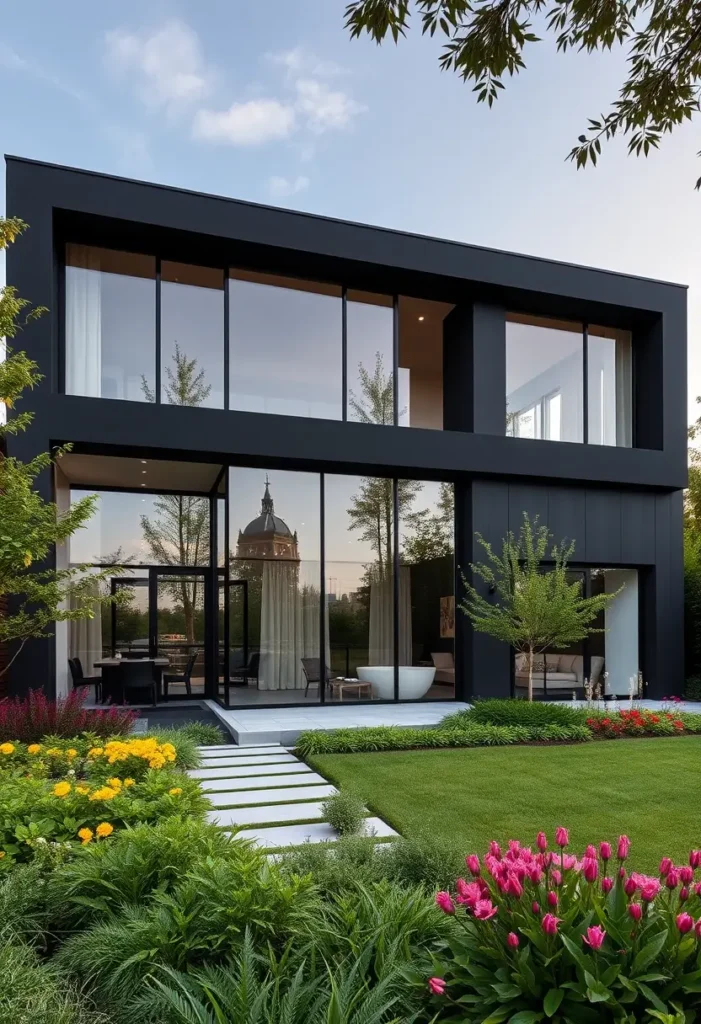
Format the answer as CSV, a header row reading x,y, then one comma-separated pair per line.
x,y
637,528
529,498
567,517
603,526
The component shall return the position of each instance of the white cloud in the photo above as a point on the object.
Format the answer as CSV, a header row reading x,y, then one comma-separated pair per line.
x,y
246,124
300,62
167,64
324,108
280,188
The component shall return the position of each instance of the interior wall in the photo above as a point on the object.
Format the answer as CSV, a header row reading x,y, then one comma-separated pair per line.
x,y
622,650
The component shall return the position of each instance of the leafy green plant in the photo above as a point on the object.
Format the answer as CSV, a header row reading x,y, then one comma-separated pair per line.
x,y
377,738
32,992
345,813
570,937
499,711
204,734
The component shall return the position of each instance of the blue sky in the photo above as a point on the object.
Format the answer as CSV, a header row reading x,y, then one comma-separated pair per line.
x,y
272,102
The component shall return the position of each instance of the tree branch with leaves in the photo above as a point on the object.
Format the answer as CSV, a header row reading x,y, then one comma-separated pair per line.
x,y
535,606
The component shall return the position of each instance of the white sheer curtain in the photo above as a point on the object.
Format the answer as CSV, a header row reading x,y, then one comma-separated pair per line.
x,y
83,322
85,641
381,644
289,626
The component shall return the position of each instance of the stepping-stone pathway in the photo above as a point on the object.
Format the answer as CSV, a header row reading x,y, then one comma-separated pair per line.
x,y
269,796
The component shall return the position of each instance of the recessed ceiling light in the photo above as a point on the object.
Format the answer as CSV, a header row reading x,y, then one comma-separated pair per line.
x,y
143,471
143,485
422,318
143,462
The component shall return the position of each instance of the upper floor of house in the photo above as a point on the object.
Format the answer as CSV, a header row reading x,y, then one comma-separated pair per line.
x,y
166,298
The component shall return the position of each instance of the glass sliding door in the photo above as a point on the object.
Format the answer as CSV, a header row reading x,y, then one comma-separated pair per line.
x,y
180,630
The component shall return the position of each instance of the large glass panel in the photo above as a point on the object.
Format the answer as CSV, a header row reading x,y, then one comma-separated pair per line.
x,y
359,572
609,385
426,590
421,362
557,673
180,635
275,572
110,323
143,529
285,346
544,379
192,335
370,348
614,652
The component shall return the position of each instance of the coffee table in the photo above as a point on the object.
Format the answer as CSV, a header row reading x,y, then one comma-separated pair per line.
x,y
356,686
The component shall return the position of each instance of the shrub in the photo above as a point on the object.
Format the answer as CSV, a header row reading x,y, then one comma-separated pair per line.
x,y
31,718
376,738
515,712
34,993
345,812
204,734
553,935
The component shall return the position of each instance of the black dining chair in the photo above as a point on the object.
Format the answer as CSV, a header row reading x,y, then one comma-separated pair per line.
x,y
76,670
169,677
311,667
247,672
139,675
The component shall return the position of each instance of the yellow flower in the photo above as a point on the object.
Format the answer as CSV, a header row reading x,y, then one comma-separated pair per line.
x,y
7,748
156,761
104,829
105,793
95,751
34,748
82,789
2,854
115,783
128,782
71,752
62,789
85,834
27,559
54,752
176,791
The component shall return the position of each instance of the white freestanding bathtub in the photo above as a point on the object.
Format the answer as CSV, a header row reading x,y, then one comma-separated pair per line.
x,y
414,680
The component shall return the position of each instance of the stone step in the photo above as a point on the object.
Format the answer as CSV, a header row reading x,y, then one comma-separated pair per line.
x,y
283,795
227,762
266,815
279,836
257,782
231,750
240,771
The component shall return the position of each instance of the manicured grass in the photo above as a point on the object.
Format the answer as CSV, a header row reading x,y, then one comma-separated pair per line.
x,y
649,789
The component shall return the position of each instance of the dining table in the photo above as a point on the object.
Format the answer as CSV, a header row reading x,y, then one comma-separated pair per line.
x,y
113,678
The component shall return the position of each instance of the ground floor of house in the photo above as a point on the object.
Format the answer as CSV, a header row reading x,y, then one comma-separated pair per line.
x,y
262,586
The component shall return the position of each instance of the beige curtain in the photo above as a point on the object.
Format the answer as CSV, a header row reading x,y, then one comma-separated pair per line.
x,y
83,323
289,627
381,620
85,641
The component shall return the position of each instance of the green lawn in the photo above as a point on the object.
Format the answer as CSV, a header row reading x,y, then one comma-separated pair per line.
x,y
647,788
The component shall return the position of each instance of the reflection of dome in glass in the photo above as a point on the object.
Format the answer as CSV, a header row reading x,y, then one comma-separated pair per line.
x,y
267,536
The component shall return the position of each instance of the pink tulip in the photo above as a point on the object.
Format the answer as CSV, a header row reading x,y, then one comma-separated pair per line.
x,y
605,851
562,836
590,869
535,907
650,890
672,879
697,929
514,887
542,842
630,886
473,864
514,846
686,875
535,875
549,924
591,852
556,877
683,894
468,892
665,866
547,859
695,858
623,847
495,850
437,986
484,910
606,885
512,940
685,923
444,901
552,899
635,911
595,937
621,872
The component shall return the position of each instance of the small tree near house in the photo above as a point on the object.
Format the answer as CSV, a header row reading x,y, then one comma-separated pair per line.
x,y
535,607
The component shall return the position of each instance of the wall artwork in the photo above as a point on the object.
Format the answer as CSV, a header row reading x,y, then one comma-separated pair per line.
x,y
447,617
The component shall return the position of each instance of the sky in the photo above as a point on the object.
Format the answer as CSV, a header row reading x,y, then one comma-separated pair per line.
x,y
272,102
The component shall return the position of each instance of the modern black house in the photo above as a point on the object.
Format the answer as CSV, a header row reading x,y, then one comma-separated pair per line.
x,y
296,426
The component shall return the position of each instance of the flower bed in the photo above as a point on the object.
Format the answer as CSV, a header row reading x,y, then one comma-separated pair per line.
x,y
552,934
79,791
637,722
35,716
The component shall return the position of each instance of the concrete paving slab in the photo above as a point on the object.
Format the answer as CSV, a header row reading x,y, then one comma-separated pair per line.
x,y
281,795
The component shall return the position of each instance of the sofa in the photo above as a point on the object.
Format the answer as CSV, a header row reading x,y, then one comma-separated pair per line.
x,y
557,671
445,667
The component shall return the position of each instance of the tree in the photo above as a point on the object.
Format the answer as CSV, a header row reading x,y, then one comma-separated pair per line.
x,y
535,608
692,495
486,40
32,599
179,536
375,404
432,530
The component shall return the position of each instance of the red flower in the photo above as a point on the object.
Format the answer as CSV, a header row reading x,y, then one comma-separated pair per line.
x,y
635,911
549,924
